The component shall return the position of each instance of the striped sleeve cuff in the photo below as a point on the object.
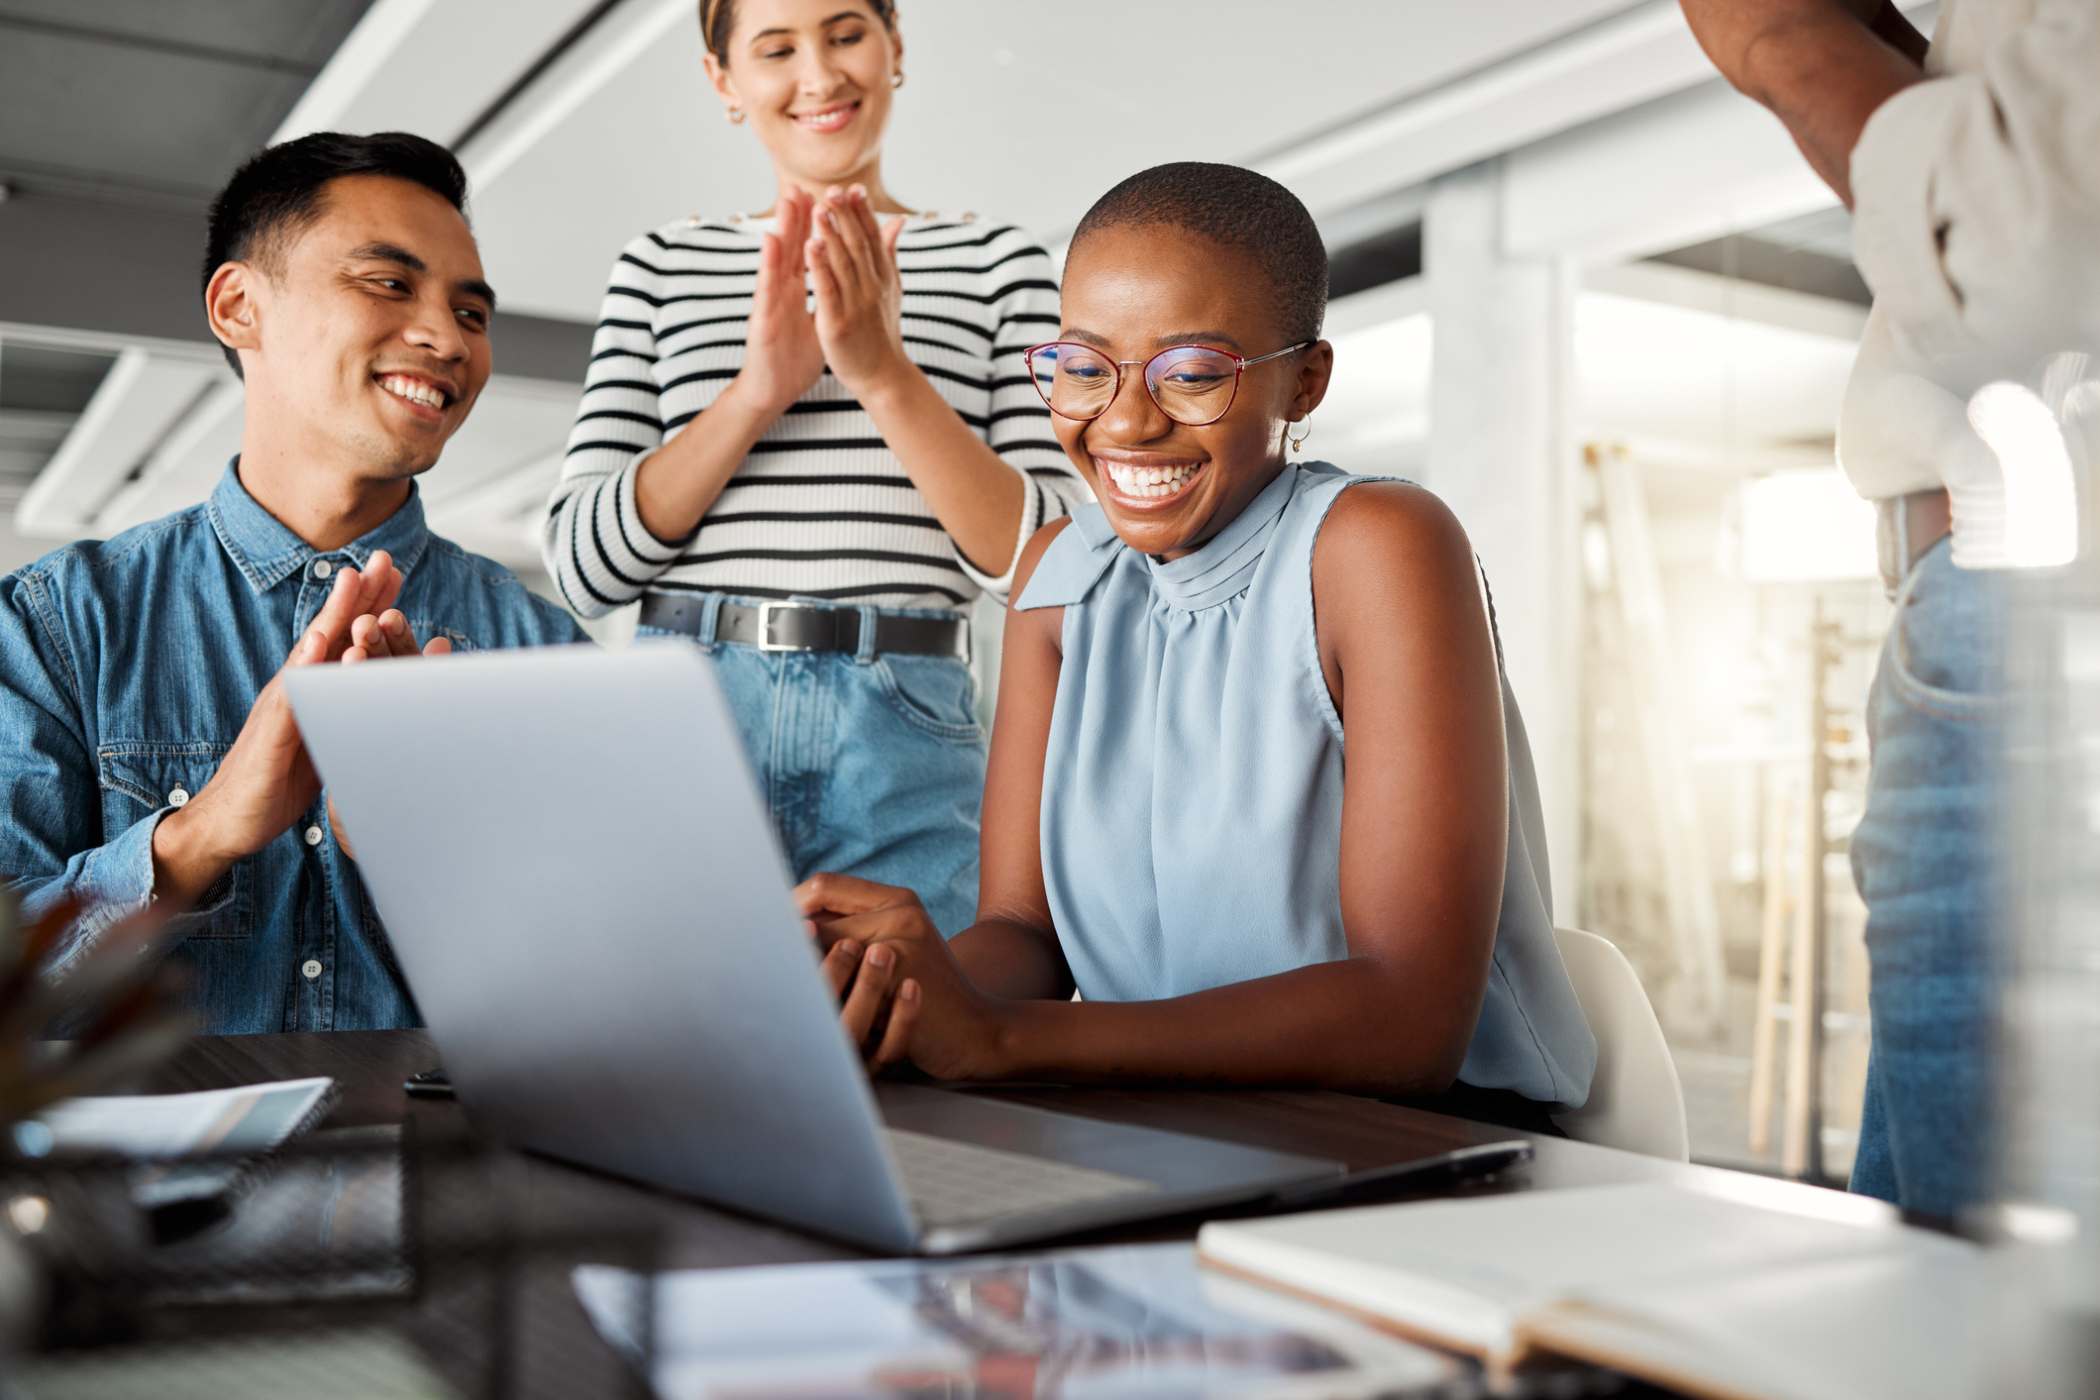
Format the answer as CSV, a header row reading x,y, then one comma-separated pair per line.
x,y
596,547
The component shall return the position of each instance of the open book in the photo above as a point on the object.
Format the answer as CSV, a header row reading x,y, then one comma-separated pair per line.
x,y
1701,1293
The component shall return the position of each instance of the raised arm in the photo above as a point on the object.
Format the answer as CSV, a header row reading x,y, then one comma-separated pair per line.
x,y
991,492
633,488
51,801
1822,67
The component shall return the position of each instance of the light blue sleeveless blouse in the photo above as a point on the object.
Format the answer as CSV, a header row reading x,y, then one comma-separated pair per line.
x,y
1192,789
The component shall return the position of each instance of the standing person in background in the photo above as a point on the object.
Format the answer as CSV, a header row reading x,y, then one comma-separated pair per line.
x,y
1971,171
807,440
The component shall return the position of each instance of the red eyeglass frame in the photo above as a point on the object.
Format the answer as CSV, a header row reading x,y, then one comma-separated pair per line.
x,y
1240,365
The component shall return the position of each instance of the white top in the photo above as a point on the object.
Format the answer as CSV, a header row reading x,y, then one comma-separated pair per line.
x,y
1977,220
821,507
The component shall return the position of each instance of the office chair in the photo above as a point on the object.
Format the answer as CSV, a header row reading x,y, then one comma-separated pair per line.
x,y
1636,1101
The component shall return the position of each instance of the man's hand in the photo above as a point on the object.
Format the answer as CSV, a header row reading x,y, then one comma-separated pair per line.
x,y
388,634
371,639
266,780
904,997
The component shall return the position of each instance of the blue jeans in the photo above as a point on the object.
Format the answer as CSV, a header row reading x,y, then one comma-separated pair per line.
x,y
871,765
1930,861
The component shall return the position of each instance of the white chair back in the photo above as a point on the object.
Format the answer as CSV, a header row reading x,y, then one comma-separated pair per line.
x,y
1636,1101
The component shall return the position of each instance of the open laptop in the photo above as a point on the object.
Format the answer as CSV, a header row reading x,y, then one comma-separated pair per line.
x,y
586,896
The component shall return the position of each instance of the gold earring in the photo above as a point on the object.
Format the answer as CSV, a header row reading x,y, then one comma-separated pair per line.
x,y
736,116
897,78
1298,443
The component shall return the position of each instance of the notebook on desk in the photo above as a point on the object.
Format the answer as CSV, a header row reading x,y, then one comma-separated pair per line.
x,y
196,1151
1705,1294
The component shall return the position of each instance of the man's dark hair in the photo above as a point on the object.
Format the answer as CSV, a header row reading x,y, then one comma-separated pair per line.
x,y
276,194
1238,209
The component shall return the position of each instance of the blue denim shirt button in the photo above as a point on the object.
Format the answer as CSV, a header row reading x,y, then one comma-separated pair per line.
x,y
322,568
312,968
178,797
313,836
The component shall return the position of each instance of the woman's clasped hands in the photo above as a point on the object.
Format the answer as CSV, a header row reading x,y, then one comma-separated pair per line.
x,y
835,248
903,997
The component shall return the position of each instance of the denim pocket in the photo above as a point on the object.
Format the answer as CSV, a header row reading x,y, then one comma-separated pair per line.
x,y
140,778
1947,638
933,693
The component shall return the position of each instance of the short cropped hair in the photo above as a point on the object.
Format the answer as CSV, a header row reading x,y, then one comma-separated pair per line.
x,y
1238,209
277,192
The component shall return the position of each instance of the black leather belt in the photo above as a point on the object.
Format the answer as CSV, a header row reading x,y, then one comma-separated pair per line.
x,y
807,627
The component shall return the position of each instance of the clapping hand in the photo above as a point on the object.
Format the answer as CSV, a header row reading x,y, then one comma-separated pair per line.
x,y
860,298
266,779
373,638
782,357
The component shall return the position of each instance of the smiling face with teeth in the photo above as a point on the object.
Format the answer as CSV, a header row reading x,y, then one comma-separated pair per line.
x,y
813,77
364,337
1133,289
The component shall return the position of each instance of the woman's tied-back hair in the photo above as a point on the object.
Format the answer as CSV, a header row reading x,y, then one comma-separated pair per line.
x,y
718,18
1238,209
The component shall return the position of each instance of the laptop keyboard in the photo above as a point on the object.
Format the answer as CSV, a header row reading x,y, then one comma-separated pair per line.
x,y
951,1183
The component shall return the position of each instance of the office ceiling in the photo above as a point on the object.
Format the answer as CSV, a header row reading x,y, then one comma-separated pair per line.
x,y
628,133
582,122
152,100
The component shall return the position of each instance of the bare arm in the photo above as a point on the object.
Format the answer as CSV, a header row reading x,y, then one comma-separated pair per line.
x,y
1821,66
1012,949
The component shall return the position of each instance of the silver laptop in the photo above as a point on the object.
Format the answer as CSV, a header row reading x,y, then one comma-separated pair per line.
x,y
583,889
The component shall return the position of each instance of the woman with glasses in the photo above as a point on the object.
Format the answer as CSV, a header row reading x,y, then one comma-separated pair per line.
x,y
1170,828
806,441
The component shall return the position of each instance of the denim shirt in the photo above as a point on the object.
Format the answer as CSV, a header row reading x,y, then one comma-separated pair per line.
x,y
127,668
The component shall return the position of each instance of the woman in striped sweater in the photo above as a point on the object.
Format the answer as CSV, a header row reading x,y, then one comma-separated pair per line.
x,y
807,440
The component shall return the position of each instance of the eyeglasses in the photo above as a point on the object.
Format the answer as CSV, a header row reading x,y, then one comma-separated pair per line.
x,y
1193,384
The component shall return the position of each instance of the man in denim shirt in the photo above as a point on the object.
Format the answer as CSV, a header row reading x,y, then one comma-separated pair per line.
x,y
146,749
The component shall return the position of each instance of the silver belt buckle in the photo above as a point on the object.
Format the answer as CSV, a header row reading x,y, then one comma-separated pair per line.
x,y
765,629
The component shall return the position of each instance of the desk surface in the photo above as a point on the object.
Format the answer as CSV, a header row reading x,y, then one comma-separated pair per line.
x,y
370,1065
557,1348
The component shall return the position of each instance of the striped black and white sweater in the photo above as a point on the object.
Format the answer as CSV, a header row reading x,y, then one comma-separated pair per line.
x,y
821,507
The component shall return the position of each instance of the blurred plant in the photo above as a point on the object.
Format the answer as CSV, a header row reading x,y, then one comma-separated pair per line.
x,y
114,1005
